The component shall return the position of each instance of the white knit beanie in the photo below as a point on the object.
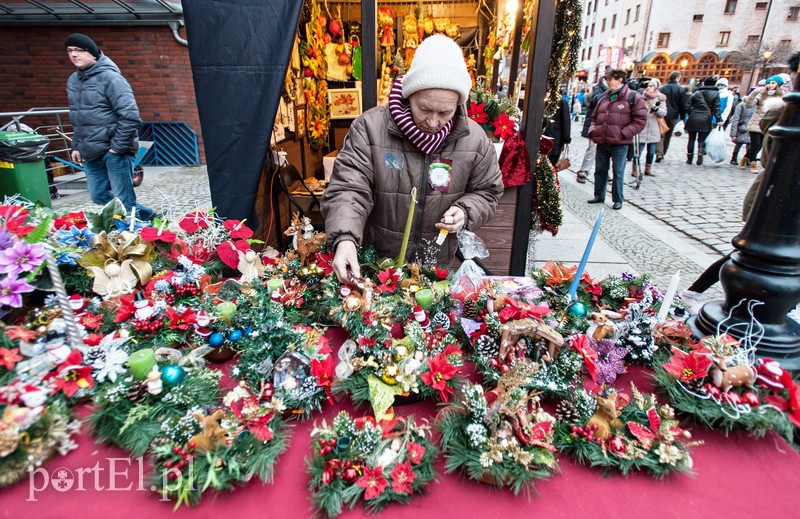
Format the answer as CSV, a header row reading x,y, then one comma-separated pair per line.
x,y
438,63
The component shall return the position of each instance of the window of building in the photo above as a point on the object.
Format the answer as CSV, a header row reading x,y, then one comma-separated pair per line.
x,y
603,26
753,38
589,8
585,32
595,5
606,2
794,14
697,18
628,17
636,16
761,6
663,39
724,38
589,55
730,6
786,43
583,54
592,32
624,43
613,21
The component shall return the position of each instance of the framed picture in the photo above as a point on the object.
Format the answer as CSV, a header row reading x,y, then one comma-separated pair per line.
x,y
299,92
345,103
299,123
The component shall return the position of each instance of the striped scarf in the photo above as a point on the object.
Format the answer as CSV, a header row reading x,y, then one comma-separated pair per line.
x,y
427,143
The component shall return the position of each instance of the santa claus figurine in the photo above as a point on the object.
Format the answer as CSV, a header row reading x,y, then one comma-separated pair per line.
x,y
421,316
77,303
201,324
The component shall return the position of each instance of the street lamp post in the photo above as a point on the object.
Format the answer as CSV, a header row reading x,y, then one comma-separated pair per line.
x,y
766,264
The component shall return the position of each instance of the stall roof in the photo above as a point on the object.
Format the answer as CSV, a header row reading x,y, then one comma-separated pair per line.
x,y
87,12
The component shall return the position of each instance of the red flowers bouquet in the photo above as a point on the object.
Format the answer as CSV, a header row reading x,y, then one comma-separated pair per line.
x,y
498,117
362,460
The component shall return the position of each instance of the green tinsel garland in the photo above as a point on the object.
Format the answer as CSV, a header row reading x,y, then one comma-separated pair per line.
x,y
547,197
564,54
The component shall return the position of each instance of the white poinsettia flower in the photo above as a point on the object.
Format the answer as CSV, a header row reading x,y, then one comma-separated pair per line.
x,y
112,365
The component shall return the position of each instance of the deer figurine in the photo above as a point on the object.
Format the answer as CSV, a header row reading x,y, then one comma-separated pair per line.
x,y
413,278
306,241
725,377
606,418
213,434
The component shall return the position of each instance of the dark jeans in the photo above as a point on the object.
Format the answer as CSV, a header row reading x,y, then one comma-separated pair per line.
x,y
701,141
651,151
111,176
606,153
756,141
663,144
737,147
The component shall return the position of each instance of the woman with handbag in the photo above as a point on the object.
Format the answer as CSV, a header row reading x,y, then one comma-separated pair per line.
x,y
702,108
558,127
656,125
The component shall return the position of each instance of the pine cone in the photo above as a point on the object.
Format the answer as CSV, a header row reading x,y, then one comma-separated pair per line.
x,y
487,347
696,386
137,392
470,309
567,413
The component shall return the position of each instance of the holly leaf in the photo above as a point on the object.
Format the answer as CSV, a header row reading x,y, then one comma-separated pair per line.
x,y
104,221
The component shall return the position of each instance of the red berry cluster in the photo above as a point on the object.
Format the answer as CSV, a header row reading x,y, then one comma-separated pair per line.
x,y
180,459
326,446
587,433
169,298
148,327
187,290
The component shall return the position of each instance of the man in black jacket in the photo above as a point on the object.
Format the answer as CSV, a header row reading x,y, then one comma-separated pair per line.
x,y
591,150
676,110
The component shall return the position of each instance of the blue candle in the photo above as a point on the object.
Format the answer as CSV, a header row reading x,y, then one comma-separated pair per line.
x,y
573,288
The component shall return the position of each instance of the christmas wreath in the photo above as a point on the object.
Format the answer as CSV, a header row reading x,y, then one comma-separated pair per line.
x,y
377,463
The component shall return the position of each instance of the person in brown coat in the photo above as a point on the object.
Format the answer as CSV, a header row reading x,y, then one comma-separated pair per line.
x,y
424,139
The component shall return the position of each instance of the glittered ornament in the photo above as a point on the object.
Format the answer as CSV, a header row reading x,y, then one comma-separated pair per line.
x,y
216,339
578,309
235,336
173,375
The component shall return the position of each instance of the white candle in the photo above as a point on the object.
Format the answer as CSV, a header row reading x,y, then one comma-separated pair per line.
x,y
669,296
133,217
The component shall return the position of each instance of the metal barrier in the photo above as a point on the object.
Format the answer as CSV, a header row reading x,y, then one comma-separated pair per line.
x,y
174,144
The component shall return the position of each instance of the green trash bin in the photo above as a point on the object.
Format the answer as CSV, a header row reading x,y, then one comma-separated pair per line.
x,y
22,169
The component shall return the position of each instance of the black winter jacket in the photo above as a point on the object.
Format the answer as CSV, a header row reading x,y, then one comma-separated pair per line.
x,y
102,111
703,103
676,100
597,92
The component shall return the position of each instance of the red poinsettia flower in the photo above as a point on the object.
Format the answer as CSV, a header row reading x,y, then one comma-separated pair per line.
x,y
237,229
14,217
228,252
93,339
503,127
73,377
439,372
582,346
152,234
790,405
415,452
687,366
323,369
477,112
18,332
441,273
91,321
182,320
402,478
125,310
76,219
9,357
388,280
324,260
373,482
193,221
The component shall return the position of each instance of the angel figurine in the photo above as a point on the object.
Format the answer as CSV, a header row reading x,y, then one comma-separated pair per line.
x,y
114,279
250,266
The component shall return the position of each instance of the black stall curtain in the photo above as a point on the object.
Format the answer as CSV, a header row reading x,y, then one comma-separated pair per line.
x,y
239,51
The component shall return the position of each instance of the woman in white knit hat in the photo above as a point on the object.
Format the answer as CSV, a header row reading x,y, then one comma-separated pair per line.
x,y
422,139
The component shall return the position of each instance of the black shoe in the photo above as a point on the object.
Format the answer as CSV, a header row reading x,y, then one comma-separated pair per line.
x,y
617,206
689,158
596,200
659,158
735,161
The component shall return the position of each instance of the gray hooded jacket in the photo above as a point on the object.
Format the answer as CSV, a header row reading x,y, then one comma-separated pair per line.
x,y
102,111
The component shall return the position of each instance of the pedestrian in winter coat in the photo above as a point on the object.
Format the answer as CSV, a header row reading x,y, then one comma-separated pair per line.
x,y
702,109
676,110
591,148
739,134
726,100
763,99
421,139
619,115
106,121
559,128
651,135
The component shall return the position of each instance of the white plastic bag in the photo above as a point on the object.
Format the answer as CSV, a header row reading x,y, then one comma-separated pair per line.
x,y
677,131
471,247
715,146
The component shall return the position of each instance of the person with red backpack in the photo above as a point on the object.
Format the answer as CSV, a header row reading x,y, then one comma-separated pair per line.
x,y
620,114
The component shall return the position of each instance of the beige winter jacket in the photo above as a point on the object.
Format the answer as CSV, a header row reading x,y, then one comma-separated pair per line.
x,y
369,194
763,103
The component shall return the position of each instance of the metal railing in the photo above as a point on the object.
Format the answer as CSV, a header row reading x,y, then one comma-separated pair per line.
x,y
57,129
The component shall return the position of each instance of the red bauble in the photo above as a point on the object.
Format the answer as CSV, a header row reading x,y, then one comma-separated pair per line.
x,y
617,445
350,475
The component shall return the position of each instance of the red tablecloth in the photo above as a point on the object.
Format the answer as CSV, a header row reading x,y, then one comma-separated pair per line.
x,y
735,477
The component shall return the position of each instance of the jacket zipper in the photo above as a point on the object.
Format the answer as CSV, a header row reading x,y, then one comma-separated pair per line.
x,y
420,208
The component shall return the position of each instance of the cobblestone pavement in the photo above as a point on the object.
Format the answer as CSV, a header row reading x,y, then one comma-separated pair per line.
x,y
703,203
181,189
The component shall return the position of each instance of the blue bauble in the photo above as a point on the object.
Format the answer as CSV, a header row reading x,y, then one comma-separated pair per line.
x,y
216,339
578,309
235,336
173,375
248,330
